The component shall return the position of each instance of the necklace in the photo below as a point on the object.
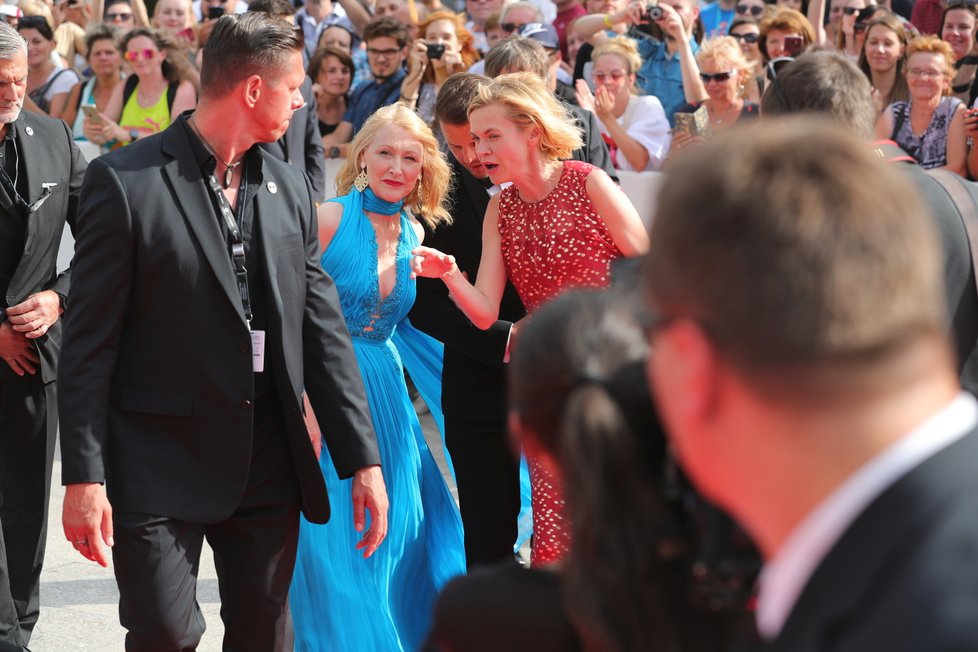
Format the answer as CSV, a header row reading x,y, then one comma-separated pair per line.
x,y
721,118
228,167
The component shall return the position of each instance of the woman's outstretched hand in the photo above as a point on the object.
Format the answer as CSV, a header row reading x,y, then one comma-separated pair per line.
x,y
431,263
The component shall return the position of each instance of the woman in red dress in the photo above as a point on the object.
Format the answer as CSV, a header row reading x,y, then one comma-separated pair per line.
x,y
558,226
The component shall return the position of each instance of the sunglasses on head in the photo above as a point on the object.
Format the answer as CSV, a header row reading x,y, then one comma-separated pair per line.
x,y
750,37
753,10
134,55
717,76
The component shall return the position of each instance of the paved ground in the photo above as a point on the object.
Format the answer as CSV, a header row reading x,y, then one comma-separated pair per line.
x,y
79,600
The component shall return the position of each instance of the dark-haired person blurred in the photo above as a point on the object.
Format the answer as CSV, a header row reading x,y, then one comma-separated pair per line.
x,y
835,431
201,434
579,401
301,145
828,84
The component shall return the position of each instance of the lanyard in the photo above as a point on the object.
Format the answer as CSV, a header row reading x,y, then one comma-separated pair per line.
x,y
237,243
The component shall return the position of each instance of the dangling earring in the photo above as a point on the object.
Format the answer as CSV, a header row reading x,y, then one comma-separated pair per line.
x,y
361,182
420,191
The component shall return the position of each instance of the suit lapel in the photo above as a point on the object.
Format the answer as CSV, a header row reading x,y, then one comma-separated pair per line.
x,y
34,162
268,234
876,543
197,208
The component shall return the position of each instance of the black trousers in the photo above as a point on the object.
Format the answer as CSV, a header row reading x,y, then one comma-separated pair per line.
x,y
157,559
28,428
488,477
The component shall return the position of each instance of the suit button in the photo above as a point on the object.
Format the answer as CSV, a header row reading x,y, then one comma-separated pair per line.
x,y
245,404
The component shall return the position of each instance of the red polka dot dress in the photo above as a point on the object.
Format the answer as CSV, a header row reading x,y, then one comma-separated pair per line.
x,y
550,246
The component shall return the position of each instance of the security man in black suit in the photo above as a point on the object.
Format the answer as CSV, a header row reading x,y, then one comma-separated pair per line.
x,y
202,315
41,172
474,376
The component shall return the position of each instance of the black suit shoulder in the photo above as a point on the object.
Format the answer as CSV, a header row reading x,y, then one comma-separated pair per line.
x,y
902,578
959,273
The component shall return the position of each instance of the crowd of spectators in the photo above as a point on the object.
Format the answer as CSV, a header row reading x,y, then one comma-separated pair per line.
x,y
635,65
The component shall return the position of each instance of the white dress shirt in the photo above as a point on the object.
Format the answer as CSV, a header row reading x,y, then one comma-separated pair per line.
x,y
787,573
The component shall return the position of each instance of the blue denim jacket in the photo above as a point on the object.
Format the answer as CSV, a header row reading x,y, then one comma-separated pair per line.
x,y
661,75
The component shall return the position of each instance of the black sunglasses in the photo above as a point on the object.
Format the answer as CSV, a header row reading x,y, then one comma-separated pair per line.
x,y
848,11
750,37
509,28
753,10
717,76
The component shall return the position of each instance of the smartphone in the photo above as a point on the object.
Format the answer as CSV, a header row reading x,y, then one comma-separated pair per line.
x,y
436,50
793,46
213,13
92,113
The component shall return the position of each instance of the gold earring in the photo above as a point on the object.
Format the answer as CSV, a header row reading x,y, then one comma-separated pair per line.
x,y
361,182
420,191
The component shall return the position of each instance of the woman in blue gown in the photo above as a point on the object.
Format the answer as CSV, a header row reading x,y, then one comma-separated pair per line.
x,y
339,600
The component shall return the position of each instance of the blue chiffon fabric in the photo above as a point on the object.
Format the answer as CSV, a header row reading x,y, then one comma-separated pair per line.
x,y
339,600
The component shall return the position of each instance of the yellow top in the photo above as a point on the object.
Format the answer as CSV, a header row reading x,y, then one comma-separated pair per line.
x,y
147,120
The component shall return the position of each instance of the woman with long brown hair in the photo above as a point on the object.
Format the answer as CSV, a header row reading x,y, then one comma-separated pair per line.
x,y
883,60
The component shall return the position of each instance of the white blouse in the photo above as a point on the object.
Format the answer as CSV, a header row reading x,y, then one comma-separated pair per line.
x,y
645,121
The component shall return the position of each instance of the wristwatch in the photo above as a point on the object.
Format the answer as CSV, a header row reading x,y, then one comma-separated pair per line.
x,y
334,152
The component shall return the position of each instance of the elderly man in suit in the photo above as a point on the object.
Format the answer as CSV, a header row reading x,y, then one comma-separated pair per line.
x,y
41,172
803,371
202,315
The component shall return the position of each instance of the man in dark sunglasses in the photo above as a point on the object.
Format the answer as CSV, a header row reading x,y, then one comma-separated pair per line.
x,y
41,173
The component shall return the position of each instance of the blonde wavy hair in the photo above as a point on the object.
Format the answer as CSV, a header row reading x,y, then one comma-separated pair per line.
x,y
466,41
529,103
435,173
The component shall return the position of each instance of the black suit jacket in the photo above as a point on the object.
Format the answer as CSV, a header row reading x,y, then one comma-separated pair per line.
x,y
301,146
903,577
594,150
49,156
473,377
156,379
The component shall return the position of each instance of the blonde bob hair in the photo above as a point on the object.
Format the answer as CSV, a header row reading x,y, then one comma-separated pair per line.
x,y
435,173
529,103
725,52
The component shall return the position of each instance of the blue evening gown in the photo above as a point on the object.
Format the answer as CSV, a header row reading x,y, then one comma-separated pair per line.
x,y
339,600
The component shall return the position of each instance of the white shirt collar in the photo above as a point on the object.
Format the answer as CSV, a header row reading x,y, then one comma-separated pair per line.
x,y
787,573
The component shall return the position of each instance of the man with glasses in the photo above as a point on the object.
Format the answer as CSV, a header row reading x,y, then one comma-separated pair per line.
x,y
41,174
229,7
386,40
